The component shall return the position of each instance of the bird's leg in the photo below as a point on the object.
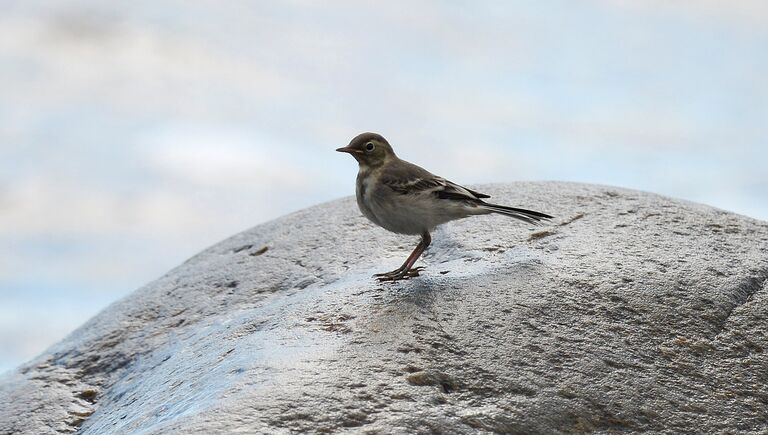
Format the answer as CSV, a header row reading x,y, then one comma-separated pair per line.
x,y
406,266
407,270
404,271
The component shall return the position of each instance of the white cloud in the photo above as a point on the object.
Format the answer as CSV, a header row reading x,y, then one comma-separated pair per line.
x,y
740,13
220,157
137,68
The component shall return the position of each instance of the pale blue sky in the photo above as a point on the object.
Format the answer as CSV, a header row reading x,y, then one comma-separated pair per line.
x,y
134,134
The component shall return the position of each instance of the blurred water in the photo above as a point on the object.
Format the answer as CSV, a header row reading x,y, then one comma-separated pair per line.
x,y
133,135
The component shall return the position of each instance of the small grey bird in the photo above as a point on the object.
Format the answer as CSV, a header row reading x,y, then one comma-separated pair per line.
x,y
407,199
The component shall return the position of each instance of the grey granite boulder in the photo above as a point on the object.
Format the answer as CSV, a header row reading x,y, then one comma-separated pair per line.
x,y
630,312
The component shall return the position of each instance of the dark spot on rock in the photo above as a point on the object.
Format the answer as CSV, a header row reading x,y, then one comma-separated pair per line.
x,y
427,378
421,379
522,390
408,349
443,272
242,248
89,395
334,322
354,419
305,283
228,284
540,234
571,220
439,400
179,312
259,252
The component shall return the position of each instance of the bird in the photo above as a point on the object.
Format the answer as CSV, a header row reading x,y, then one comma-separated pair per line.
x,y
404,198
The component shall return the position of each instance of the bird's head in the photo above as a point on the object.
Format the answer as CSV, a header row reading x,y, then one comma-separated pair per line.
x,y
370,150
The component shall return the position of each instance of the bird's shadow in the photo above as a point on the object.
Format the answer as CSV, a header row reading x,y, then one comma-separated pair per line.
x,y
420,292
452,268
400,302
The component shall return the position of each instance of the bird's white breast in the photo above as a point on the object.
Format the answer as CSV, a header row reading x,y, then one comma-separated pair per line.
x,y
363,194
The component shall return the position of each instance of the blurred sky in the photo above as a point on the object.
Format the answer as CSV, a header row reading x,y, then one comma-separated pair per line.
x,y
135,134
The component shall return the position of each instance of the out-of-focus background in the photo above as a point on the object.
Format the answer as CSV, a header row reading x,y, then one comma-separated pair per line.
x,y
134,134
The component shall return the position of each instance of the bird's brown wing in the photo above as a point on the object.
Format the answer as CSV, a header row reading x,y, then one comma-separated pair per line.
x,y
409,179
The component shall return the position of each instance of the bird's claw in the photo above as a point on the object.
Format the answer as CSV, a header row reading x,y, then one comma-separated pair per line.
x,y
397,275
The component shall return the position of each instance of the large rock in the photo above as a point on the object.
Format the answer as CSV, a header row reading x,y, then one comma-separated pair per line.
x,y
630,312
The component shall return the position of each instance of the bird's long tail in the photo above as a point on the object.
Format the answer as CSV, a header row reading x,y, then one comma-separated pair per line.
x,y
530,216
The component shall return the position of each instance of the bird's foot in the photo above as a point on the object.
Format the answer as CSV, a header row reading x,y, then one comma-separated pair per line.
x,y
397,275
387,274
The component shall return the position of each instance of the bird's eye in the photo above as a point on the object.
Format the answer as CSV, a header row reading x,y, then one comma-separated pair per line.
x,y
370,146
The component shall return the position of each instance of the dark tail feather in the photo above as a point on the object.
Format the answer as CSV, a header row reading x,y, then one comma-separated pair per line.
x,y
530,216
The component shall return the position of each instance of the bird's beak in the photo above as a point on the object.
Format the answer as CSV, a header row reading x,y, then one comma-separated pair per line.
x,y
348,149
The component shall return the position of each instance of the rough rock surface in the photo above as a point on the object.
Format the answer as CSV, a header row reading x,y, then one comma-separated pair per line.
x,y
630,312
